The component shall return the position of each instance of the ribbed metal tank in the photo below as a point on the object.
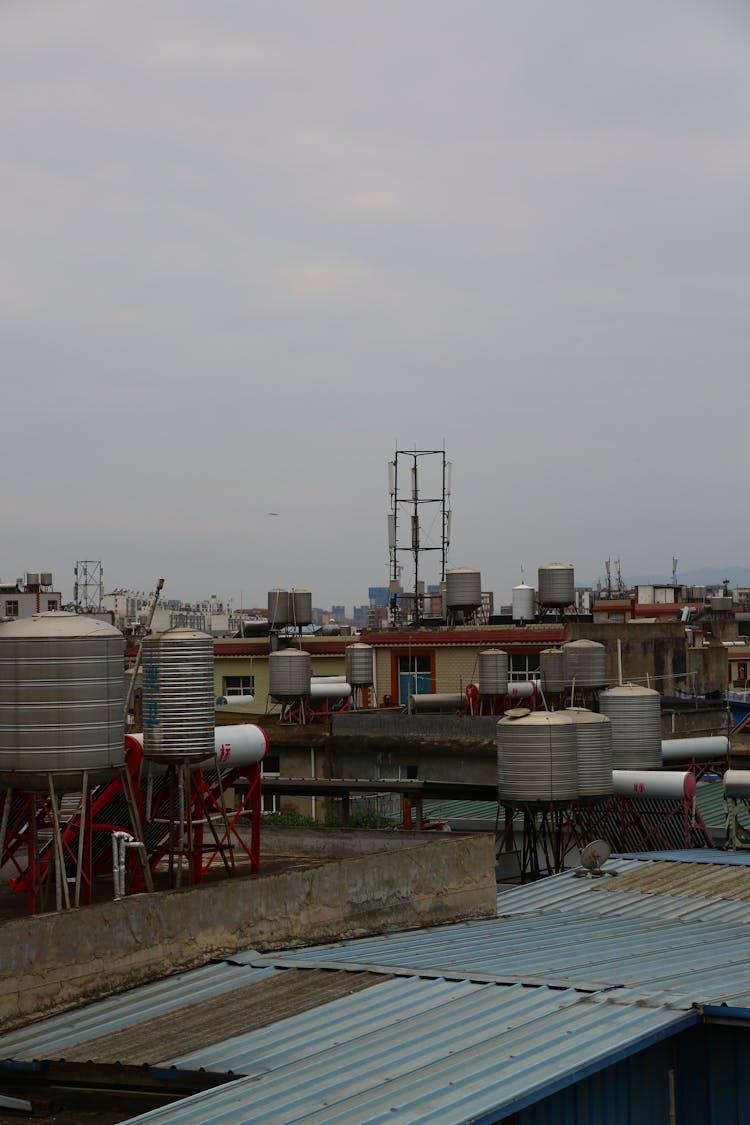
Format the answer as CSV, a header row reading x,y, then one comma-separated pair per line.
x,y
62,688
585,663
300,604
523,602
556,585
178,696
359,661
492,672
289,674
279,607
552,670
594,748
635,714
463,588
537,758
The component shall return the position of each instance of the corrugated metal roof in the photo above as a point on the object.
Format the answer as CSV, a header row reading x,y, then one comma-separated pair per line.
x,y
699,962
417,1051
472,1020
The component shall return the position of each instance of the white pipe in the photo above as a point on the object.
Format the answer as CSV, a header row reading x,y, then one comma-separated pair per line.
x,y
654,784
678,749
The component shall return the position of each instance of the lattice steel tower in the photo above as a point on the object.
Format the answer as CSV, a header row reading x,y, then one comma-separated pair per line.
x,y
411,510
89,586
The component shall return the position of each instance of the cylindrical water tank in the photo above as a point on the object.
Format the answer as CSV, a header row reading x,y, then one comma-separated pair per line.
x,y
289,673
594,748
537,758
300,604
330,691
438,701
463,588
654,784
585,664
235,745
705,748
492,672
552,670
556,585
62,693
278,608
178,696
359,661
737,783
523,602
521,689
635,714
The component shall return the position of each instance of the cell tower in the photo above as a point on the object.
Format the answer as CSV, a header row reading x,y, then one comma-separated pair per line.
x,y
411,510
89,586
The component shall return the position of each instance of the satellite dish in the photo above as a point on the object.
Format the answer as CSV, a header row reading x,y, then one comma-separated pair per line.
x,y
517,713
592,857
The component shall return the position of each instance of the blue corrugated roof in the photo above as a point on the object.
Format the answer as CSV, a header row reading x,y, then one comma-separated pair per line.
x,y
417,1051
475,1020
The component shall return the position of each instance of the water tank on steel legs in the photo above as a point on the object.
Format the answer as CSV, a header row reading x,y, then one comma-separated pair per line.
x,y
635,715
289,674
585,664
300,605
537,758
594,749
178,696
552,670
279,608
359,661
556,585
492,672
463,589
523,602
62,688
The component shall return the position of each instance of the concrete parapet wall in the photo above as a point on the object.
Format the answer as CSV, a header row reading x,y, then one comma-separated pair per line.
x,y
54,961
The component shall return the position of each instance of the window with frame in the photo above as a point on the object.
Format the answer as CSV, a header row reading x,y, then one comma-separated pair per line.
x,y
414,676
522,666
11,608
238,685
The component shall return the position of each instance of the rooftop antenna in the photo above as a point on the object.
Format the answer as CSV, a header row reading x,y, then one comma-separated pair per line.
x,y
88,588
593,856
413,502
674,570
607,566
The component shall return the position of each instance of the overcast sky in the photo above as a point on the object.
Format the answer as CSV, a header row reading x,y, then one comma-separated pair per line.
x,y
249,249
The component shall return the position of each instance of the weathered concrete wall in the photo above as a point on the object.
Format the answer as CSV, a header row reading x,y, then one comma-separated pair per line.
x,y
53,961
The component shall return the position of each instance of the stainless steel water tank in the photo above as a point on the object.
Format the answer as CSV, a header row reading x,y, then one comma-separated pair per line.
x,y
62,686
635,714
178,696
523,602
289,674
556,585
492,672
585,664
300,605
537,758
552,670
463,588
359,661
594,749
279,608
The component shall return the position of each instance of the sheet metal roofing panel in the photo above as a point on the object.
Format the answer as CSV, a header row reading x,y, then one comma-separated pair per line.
x,y
695,962
641,888
417,1051
51,1038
